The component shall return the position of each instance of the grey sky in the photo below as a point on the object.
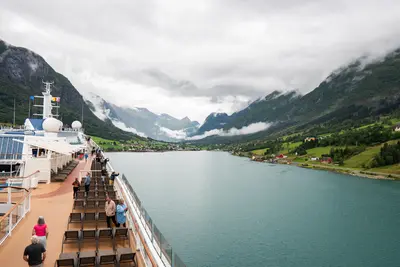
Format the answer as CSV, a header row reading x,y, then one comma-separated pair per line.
x,y
190,58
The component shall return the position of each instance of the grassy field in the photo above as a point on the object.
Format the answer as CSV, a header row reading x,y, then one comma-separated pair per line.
x,y
259,152
105,143
318,151
286,148
388,169
365,157
289,146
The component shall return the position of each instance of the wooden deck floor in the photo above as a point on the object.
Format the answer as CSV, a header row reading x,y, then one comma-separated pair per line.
x,y
54,202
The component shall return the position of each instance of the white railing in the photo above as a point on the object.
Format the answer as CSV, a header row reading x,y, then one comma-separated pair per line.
x,y
150,242
16,213
27,182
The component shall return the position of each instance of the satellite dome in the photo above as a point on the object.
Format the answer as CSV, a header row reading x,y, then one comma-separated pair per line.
x,y
76,125
52,125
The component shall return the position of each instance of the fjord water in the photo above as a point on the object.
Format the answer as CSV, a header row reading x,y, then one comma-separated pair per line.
x,y
219,210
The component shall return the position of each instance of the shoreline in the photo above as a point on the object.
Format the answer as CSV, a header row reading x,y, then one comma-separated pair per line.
x,y
353,172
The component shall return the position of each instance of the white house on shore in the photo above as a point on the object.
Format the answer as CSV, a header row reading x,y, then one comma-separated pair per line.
x,y
396,128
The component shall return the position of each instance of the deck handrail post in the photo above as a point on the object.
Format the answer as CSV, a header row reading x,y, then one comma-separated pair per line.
x,y
10,224
9,194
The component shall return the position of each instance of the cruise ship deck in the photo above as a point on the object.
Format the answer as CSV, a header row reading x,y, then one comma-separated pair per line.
x,y
55,202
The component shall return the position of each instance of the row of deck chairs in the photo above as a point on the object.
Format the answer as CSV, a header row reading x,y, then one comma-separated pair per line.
x,y
89,217
62,174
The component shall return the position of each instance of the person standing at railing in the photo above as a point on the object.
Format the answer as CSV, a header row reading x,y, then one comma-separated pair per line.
x,y
41,231
110,211
87,183
35,253
112,177
121,213
76,184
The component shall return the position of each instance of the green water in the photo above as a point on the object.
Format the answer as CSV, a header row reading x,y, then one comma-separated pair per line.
x,y
219,210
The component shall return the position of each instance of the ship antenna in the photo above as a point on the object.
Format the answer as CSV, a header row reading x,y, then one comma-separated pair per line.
x,y
14,114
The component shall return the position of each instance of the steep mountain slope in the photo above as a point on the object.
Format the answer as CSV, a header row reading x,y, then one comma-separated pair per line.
x,y
360,90
142,121
21,75
271,108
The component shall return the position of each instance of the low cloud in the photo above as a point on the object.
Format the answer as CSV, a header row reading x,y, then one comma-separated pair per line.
x,y
123,126
177,134
250,129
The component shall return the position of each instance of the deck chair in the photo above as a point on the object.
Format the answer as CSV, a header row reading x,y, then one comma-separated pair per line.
x,y
126,255
67,260
90,204
88,235
111,194
109,187
89,217
74,218
87,258
71,236
80,195
106,258
79,204
101,205
121,234
101,217
101,194
104,235
91,195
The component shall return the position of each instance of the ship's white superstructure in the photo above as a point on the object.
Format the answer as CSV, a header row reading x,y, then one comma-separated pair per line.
x,y
44,146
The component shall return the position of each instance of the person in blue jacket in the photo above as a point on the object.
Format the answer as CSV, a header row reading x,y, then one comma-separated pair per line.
x,y
121,213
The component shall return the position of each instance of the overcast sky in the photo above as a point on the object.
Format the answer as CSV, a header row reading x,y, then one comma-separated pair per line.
x,y
190,58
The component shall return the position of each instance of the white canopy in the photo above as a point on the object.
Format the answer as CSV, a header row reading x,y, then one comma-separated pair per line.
x,y
60,147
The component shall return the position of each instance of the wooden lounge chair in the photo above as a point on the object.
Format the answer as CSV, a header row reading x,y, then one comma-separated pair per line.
x,y
67,260
90,204
71,236
105,234
126,255
87,258
106,258
89,217
88,235
79,204
121,234
75,217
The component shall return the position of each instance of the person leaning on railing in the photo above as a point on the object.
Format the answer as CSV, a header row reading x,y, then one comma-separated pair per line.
x,y
112,177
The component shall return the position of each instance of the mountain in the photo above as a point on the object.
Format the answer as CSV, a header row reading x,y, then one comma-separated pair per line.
x,y
362,89
21,74
141,121
268,109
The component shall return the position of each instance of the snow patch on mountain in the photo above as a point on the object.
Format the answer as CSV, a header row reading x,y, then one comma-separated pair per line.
x,y
97,106
249,129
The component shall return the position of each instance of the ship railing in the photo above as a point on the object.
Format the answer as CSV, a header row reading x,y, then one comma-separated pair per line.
x,y
153,246
151,241
139,235
13,209
27,182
